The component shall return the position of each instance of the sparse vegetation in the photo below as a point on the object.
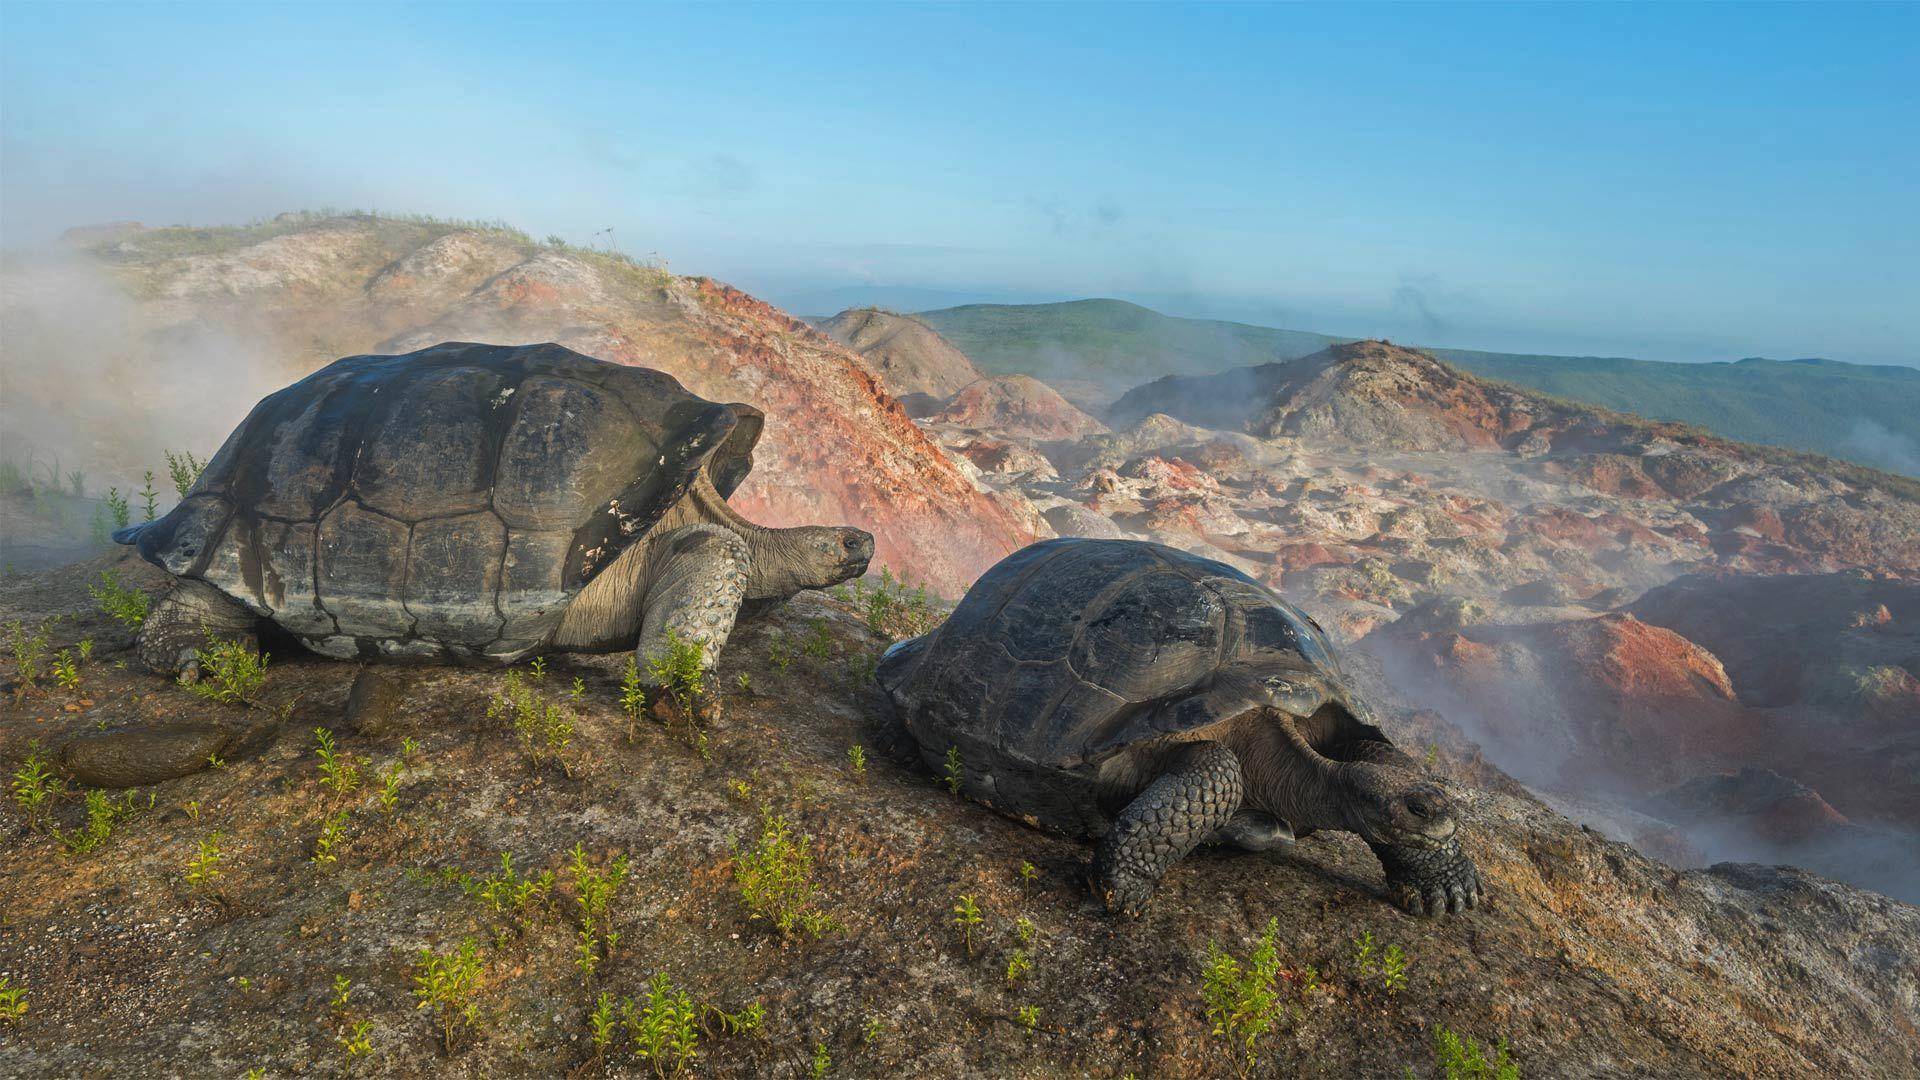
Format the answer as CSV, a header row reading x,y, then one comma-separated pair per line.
x,y
103,813
665,1027
966,916
449,985
1029,1017
333,836
775,877
955,772
509,896
890,607
1461,1058
128,606
593,890
35,785
230,670
150,497
184,469
857,761
13,1001
1242,998
542,727
204,868
339,772
29,651
680,673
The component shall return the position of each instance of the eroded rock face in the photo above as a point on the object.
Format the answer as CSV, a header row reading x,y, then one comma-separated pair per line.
x,y
910,357
1017,405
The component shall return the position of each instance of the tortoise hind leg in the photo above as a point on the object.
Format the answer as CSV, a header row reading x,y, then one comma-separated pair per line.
x,y
1190,802
695,594
180,623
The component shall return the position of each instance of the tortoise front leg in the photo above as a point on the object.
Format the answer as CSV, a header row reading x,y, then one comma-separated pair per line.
x,y
178,626
1186,805
695,593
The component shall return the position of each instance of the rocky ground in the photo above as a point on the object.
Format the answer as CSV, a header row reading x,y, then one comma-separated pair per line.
x,y
1591,959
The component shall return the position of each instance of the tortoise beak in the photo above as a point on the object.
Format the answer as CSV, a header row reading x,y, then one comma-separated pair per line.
x,y
858,545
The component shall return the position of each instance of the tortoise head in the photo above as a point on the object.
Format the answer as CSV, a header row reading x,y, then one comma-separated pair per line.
x,y
808,557
1396,806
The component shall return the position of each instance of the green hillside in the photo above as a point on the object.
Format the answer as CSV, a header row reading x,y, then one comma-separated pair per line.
x,y
1867,414
1111,343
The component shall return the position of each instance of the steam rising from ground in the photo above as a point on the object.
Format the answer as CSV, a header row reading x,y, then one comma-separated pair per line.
x,y
87,380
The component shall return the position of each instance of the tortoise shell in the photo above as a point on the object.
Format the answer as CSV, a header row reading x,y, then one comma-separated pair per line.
x,y
1070,651
452,499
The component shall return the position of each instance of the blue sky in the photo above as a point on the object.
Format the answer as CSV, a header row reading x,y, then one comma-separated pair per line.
x,y
1671,182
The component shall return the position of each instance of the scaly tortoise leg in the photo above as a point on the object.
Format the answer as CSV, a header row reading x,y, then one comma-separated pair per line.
x,y
1185,806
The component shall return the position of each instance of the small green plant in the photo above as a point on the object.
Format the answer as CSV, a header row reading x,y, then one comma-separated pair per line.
x,y
1243,998
117,508
956,771
29,649
204,868
1024,931
744,1022
680,672
1019,966
35,785
891,608
578,692
509,896
339,772
602,1024
13,1001
388,795
1027,873
66,672
665,1028
822,1061
449,984
409,748
1460,1058
966,916
85,649
342,989
229,670
192,807
150,497
857,761
633,695
780,652
357,1038
1029,1016
1364,963
184,469
593,890
818,644
129,606
333,837
744,681
872,1031
775,878
542,727
537,670
1393,970
103,813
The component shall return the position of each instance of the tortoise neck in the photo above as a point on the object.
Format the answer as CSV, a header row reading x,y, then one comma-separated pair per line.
x,y
773,553
1287,778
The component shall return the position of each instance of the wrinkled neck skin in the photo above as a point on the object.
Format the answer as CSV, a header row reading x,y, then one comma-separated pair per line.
x,y
1286,779
776,553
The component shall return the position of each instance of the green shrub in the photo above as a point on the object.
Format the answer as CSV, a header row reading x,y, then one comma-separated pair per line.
x,y
185,469
593,890
664,1027
204,867
35,786
103,813
775,877
230,671
339,772
679,672
127,605
966,916
13,1001
449,985
1243,998
1460,1058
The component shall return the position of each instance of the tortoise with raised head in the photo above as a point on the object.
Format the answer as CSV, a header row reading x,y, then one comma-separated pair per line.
x,y
1158,700
478,503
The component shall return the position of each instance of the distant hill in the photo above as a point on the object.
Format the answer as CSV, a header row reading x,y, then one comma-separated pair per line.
x,y
1093,350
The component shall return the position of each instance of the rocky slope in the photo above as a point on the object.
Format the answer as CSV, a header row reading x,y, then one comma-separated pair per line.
x,y
210,319
1590,960
918,366
1561,581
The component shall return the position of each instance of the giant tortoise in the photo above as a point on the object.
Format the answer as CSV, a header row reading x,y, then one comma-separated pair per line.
x,y
477,503
1158,700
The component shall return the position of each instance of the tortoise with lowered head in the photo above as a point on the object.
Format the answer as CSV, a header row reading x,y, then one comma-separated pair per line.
x,y
478,503
1158,700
